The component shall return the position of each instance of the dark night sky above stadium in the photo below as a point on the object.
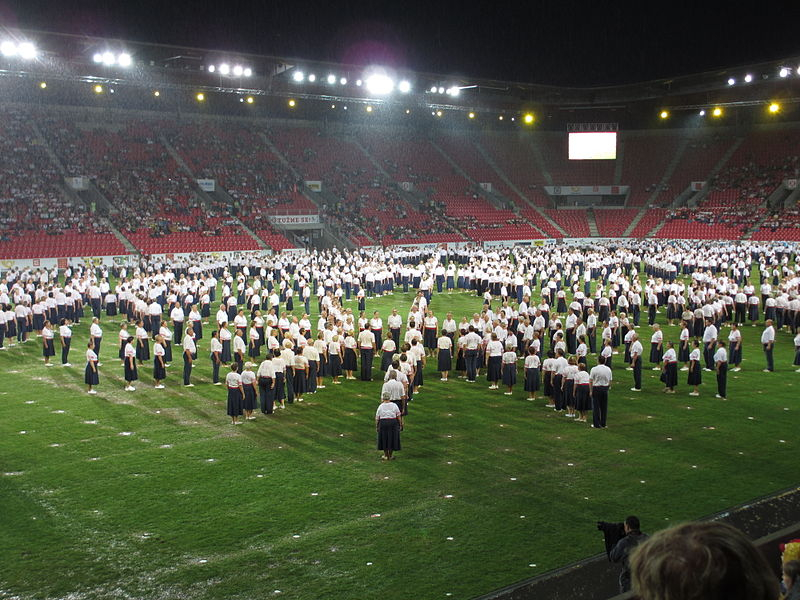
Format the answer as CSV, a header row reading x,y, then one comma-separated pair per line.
x,y
561,43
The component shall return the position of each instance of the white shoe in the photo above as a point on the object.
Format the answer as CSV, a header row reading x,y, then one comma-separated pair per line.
x,y
91,392
655,369
694,393
685,369
99,364
767,371
218,383
130,388
717,396
508,393
635,390
66,364
159,387
736,369
189,385
709,370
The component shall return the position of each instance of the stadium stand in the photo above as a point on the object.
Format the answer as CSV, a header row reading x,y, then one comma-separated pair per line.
x,y
37,216
613,222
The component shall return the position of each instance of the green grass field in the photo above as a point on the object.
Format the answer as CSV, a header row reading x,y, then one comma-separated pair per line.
x,y
153,494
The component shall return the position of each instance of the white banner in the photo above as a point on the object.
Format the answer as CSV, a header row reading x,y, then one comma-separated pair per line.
x,y
512,243
790,184
486,186
207,185
698,186
314,186
294,219
406,186
587,190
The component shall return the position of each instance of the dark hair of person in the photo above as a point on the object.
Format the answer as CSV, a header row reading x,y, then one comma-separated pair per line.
x,y
701,561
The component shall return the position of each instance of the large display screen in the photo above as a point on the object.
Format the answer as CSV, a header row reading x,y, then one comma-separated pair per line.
x,y
593,145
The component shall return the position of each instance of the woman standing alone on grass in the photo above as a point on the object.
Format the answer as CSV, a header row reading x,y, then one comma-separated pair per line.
x,y
388,423
131,375
48,347
235,394
91,377
159,363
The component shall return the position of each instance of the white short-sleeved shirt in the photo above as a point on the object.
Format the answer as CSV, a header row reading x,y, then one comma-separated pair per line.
x,y
387,410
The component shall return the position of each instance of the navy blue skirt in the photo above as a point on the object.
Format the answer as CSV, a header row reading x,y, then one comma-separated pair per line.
x,y
509,374
531,380
445,360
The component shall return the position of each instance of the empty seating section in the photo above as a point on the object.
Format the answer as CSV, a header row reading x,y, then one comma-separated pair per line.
x,y
612,222
645,158
700,156
38,218
572,221
514,157
540,222
466,155
651,218
699,230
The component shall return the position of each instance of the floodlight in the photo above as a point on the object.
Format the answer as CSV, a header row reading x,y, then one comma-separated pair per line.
x,y
717,112
224,68
298,76
408,111
98,58
238,70
8,48
441,90
731,81
528,118
124,60
784,72
250,100
343,81
248,72
664,114
201,97
98,89
500,117
433,89
471,115
292,103
454,91
748,78
312,78
404,86
27,50
109,58
438,113
379,84
369,109
359,82
43,85
156,93
331,79
702,113
774,108
211,68
333,106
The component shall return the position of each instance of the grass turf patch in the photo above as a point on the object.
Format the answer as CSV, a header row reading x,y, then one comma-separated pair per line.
x,y
153,494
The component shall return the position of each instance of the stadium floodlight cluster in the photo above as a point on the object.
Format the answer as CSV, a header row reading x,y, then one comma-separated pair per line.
x,y
376,82
24,50
109,59
226,70
452,90
783,73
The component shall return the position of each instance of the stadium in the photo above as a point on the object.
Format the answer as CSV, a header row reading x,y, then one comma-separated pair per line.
x,y
177,219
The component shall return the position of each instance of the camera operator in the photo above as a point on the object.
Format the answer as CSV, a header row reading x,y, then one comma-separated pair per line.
x,y
624,547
